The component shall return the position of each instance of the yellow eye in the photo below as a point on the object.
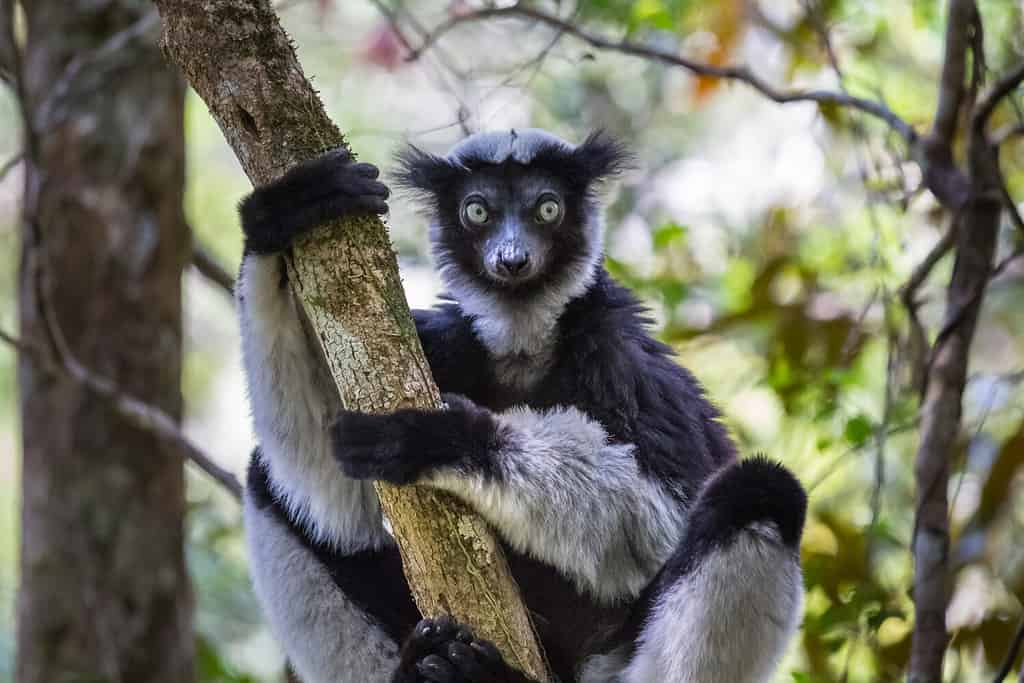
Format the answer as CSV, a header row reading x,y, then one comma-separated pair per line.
x,y
476,213
548,211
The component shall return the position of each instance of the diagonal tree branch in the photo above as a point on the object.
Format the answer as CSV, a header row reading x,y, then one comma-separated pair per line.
x,y
237,57
207,265
138,412
1011,655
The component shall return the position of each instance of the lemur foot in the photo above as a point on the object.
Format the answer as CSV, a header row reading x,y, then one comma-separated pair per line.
x,y
329,187
443,651
403,446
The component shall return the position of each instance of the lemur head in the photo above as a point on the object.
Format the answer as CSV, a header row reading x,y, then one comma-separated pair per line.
x,y
515,217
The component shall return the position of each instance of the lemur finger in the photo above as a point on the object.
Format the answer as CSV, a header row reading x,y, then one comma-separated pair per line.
x,y
486,650
372,204
366,170
372,187
436,669
465,660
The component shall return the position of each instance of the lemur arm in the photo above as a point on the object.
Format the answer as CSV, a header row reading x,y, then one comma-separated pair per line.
x,y
550,481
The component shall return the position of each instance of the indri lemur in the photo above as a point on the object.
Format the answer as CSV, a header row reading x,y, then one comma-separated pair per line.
x,y
645,550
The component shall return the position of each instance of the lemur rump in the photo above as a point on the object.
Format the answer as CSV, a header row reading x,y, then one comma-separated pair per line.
x,y
644,549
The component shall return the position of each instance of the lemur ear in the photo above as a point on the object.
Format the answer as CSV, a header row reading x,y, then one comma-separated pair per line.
x,y
425,173
602,157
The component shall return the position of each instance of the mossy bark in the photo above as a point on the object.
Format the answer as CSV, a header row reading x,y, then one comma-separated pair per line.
x,y
240,61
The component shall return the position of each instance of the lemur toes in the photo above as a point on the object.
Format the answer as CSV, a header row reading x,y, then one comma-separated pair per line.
x,y
443,651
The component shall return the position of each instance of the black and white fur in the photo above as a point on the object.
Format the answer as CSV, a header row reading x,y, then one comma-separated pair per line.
x,y
645,551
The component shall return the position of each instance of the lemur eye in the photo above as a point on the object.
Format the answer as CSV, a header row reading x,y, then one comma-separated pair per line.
x,y
548,211
475,212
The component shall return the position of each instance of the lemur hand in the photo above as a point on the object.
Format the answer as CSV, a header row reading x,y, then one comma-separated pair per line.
x,y
443,651
403,446
328,187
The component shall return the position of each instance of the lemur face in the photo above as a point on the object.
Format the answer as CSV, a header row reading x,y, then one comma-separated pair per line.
x,y
513,226
514,212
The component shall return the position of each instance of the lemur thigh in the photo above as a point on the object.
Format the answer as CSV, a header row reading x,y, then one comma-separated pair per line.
x,y
326,637
728,601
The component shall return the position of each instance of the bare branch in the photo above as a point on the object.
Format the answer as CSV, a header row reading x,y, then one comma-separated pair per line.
x,y
1007,133
814,13
740,74
976,227
139,413
206,264
991,99
1011,655
962,17
959,315
11,164
909,291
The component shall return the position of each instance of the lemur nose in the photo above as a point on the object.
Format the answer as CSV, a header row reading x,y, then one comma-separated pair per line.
x,y
513,264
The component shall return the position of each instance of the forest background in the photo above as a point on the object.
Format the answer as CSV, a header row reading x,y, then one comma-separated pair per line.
x,y
779,245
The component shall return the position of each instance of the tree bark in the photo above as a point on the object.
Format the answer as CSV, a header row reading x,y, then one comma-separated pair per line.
x,y
238,58
104,591
976,228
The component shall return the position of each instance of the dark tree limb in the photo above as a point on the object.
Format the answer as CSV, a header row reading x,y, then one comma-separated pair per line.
x,y
976,227
1011,656
207,265
741,74
240,61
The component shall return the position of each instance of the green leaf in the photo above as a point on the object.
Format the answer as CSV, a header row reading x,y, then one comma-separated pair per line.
x,y
669,233
858,430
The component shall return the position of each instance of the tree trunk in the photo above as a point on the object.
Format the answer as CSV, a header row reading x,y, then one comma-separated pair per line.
x,y
238,58
104,592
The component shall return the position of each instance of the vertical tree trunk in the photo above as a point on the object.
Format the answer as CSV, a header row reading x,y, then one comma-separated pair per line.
x,y
104,592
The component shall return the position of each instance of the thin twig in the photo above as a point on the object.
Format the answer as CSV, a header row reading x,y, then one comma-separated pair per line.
x,y
814,13
207,265
10,164
924,268
1007,133
740,74
1011,655
976,295
990,100
908,295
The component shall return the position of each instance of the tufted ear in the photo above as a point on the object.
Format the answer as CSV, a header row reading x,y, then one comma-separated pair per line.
x,y
425,174
601,157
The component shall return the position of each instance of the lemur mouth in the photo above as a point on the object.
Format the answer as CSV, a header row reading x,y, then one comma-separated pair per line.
x,y
512,282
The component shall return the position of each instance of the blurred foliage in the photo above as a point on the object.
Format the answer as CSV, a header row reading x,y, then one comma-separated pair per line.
x,y
770,243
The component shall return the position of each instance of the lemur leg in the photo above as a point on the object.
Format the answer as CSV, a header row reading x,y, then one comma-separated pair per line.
x,y
728,602
549,481
326,636
304,501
